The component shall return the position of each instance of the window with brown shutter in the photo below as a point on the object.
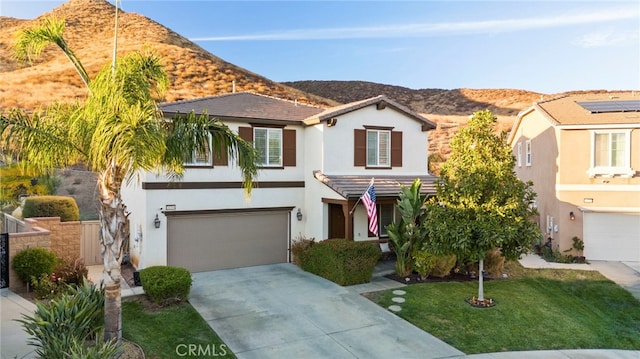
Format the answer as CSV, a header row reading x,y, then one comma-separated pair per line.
x,y
272,143
377,147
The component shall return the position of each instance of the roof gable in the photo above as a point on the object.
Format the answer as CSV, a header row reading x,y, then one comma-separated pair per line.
x,y
381,103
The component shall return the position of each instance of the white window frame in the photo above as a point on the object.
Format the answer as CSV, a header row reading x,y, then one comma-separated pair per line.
x,y
519,154
527,156
194,157
269,162
624,170
381,226
379,150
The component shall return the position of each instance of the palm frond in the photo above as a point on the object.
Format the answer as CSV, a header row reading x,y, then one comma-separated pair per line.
x,y
31,41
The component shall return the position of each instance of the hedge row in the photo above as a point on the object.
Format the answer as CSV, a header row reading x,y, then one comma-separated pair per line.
x,y
341,261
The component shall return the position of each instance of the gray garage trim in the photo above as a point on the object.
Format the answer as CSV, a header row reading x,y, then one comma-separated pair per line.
x,y
212,240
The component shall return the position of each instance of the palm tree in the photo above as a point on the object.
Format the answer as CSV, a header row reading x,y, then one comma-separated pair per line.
x,y
118,132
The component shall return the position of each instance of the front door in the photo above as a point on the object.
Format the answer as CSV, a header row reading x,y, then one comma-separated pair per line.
x,y
336,221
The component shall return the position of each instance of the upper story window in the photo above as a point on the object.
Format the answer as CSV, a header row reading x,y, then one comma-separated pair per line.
x,y
527,146
268,142
276,146
519,154
611,153
201,157
378,148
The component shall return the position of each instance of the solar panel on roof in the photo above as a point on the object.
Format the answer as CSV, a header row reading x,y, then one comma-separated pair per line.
x,y
611,106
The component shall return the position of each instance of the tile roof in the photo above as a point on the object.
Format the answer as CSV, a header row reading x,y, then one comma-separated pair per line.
x,y
247,106
566,110
386,186
242,105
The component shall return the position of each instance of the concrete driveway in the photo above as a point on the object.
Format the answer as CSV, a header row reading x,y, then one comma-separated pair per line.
x,y
280,311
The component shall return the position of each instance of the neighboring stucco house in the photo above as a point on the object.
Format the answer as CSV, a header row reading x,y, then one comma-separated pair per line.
x,y
316,164
582,153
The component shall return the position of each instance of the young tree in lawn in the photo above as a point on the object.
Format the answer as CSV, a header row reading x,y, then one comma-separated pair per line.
x,y
118,131
480,203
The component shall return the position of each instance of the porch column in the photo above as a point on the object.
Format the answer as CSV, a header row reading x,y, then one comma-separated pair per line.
x,y
348,218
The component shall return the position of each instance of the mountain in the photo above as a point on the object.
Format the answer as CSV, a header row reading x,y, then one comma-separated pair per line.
x,y
192,70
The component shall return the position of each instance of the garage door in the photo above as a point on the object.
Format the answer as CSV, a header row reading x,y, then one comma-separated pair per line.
x,y
204,242
612,236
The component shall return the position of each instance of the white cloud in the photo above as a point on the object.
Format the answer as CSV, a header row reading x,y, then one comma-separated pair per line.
x,y
608,37
436,29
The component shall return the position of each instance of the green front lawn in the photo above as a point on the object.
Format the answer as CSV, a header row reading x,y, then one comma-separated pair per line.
x,y
536,310
171,332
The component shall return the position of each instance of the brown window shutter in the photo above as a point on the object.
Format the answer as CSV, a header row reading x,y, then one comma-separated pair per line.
x,y
221,158
360,148
396,149
246,133
288,148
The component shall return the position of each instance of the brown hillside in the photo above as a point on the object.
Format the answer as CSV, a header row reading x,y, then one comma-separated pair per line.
x,y
193,71
463,102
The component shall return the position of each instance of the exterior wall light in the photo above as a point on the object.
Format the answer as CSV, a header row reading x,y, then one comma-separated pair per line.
x,y
299,215
156,222
572,216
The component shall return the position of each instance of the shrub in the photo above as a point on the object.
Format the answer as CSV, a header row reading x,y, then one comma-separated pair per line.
x,y
56,326
494,262
33,262
443,266
166,284
423,262
71,270
341,261
51,206
47,286
299,246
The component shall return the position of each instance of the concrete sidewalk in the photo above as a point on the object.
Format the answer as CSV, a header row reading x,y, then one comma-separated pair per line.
x,y
13,339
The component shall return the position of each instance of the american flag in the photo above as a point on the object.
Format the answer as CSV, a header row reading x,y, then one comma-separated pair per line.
x,y
369,201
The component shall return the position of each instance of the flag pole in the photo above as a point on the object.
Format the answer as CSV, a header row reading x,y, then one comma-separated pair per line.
x,y
359,198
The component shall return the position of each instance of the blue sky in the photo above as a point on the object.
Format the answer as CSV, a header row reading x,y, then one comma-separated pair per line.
x,y
543,46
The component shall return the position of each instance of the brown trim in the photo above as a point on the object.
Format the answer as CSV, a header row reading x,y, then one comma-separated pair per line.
x,y
209,166
219,185
227,210
359,148
396,149
377,168
333,201
267,125
384,128
271,167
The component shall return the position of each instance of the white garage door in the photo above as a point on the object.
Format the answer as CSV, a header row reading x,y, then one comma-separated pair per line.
x,y
204,242
612,236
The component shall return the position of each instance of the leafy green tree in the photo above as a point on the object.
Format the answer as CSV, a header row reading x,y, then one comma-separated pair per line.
x,y
409,232
480,203
118,131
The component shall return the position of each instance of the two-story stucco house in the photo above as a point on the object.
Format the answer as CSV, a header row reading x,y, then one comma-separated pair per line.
x,y
315,164
582,153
